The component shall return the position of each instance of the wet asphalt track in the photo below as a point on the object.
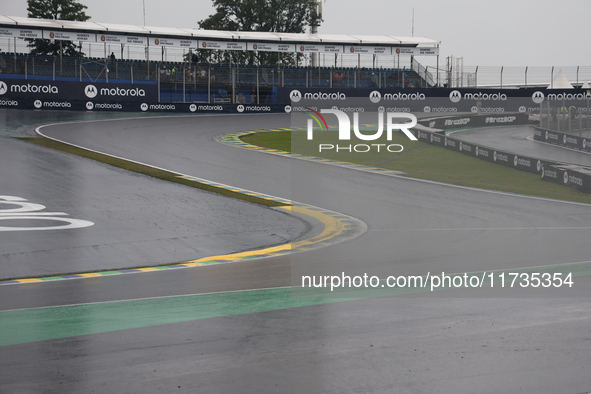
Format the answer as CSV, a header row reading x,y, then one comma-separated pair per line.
x,y
421,343
515,139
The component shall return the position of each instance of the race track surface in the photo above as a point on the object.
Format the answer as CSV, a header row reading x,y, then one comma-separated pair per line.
x,y
520,140
132,335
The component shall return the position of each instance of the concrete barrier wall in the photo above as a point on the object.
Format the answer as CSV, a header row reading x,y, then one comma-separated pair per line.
x,y
568,175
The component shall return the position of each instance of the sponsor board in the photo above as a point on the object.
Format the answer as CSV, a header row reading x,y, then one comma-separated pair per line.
x,y
503,119
271,47
562,139
68,90
473,120
572,177
482,153
103,105
8,103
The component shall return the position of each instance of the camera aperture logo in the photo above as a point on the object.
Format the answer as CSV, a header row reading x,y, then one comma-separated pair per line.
x,y
394,121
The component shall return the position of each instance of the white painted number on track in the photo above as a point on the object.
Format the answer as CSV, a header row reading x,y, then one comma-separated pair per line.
x,y
24,210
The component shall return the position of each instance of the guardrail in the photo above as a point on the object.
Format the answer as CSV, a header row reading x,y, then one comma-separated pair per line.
x,y
432,131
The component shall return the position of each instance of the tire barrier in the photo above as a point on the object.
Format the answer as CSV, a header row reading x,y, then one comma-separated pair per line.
x,y
561,173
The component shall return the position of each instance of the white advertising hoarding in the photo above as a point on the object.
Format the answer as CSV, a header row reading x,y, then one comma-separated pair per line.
x,y
370,50
415,51
69,36
320,48
20,33
119,39
173,42
271,47
223,45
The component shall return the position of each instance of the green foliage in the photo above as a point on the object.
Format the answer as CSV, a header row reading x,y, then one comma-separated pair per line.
x,y
68,10
279,16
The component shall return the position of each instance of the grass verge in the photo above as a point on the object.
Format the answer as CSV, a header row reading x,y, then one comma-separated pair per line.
x,y
423,161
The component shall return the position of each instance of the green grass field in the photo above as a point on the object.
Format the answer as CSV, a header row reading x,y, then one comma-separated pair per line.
x,y
424,161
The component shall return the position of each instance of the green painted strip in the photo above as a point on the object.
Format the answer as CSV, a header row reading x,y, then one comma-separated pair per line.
x,y
32,325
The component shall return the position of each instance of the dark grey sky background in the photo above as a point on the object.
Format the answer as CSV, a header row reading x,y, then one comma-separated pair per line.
x,y
484,33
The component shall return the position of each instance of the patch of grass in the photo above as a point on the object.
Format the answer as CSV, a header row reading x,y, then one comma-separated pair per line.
x,y
147,170
423,161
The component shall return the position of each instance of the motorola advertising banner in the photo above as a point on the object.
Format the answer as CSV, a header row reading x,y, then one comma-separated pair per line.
x,y
67,90
573,176
563,139
491,155
129,106
441,100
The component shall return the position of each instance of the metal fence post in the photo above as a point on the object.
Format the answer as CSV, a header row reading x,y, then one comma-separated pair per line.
x,y
588,114
258,95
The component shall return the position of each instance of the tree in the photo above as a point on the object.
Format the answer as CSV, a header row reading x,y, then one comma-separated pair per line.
x,y
68,10
279,16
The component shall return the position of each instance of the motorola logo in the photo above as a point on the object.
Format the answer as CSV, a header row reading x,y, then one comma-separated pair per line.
x,y
522,109
144,107
38,104
538,97
381,109
89,105
240,108
295,96
90,91
3,88
288,108
192,108
375,97
427,109
455,96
